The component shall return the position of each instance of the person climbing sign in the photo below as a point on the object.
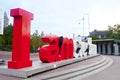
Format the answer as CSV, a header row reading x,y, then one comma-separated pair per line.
x,y
87,50
78,47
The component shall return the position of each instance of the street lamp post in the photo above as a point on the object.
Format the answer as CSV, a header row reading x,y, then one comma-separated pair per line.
x,y
83,25
88,23
83,19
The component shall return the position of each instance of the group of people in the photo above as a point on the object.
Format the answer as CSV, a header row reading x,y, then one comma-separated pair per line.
x,y
78,45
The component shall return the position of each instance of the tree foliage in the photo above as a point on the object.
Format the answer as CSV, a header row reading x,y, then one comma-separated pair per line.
x,y
113,32
2,42
95,37
6,38
36,41
8,35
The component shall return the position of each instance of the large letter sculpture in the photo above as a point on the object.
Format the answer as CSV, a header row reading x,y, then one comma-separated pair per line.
x,y
21,39
53,52
66,51
49,53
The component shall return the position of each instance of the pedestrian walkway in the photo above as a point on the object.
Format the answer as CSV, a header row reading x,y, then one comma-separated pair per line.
x,y
111,73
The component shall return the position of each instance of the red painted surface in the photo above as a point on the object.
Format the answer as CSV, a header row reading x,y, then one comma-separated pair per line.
x,y
49,53
66,50
52,52
21,39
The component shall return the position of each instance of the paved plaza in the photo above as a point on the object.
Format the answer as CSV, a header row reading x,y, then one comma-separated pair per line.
x,y
110,73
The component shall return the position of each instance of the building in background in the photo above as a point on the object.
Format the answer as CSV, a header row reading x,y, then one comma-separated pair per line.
x,y
108,46
1,21
100,34
4,21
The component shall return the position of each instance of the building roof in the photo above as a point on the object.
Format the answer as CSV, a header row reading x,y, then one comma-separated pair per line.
x,y
106,40
98,32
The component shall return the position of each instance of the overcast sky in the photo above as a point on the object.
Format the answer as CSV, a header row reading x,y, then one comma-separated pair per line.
x,y
65,17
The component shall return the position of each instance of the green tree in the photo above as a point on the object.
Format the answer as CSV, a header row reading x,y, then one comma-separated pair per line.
x,y
113,32
2,42
7,38
95,37
42,34
8,34
35,41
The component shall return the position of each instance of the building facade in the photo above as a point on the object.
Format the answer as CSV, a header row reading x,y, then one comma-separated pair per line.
x,y
108,46
6,20
1,21
100,34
